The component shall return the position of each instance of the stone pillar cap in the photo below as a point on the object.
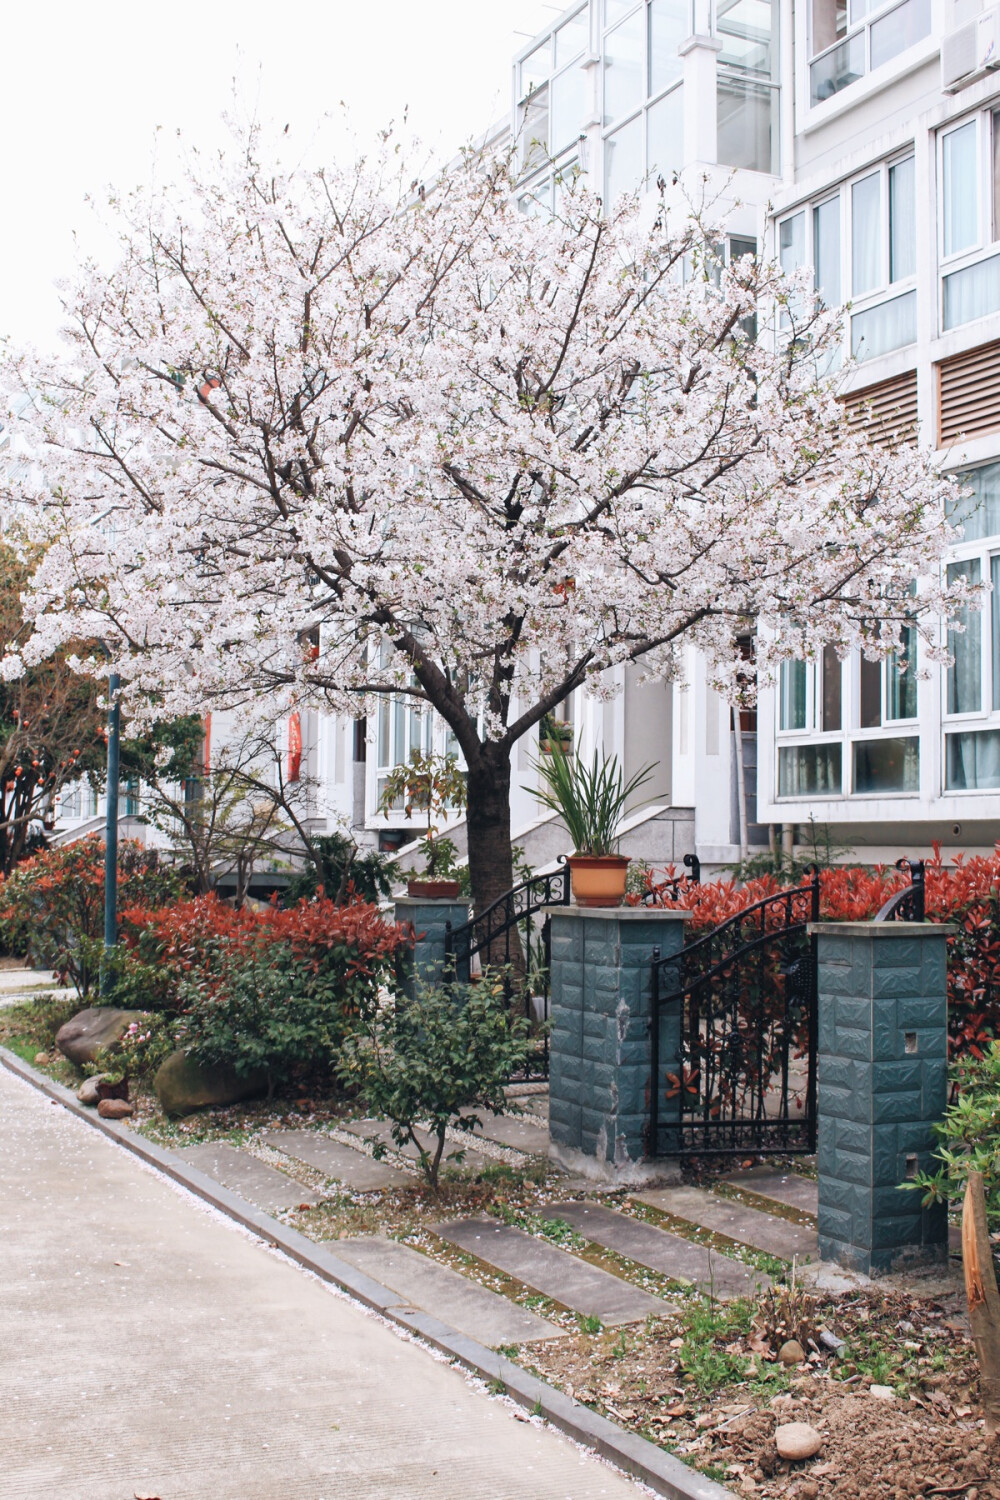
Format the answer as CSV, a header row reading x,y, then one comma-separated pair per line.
x,y
883,929
620,913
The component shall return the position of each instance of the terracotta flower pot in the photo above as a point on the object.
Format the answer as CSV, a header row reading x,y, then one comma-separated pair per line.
x,y
433,890
598,879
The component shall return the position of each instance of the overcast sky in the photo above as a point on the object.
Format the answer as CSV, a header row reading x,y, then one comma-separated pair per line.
x,y
88,92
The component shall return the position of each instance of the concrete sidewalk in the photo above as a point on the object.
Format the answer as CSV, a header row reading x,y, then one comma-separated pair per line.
x,y
147,1346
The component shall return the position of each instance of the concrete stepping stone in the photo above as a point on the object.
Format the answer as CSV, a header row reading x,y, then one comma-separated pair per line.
x,y
554,1273
525,1132
344,1163
472,1309
661,1251
789,1188
242,1173
381,1130
748,1226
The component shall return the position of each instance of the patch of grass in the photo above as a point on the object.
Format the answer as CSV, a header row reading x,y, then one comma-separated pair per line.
x,y
590,1324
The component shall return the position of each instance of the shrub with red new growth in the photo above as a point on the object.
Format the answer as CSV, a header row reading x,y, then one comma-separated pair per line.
x,y
190,939
966,895
52,905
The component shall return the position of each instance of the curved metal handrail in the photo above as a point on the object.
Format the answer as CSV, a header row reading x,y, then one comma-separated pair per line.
x,y
674,882
811,888
908,904
510,913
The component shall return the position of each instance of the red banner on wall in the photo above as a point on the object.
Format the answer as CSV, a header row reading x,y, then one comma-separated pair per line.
x,y
294,747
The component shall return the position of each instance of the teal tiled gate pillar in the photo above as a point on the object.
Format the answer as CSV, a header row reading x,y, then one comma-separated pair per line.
x,y
430,920
600,1041
882,1084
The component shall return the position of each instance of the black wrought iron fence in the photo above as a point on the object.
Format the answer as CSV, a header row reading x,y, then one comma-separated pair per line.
x,y
733,1065
512,937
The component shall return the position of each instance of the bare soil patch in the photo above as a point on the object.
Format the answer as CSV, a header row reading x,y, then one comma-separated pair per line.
x,y
709,1387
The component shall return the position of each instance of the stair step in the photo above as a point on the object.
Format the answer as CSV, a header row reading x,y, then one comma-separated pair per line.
x,y
467,1306
789,1188
346,1164
669,1254
242,1173
747,1226
554,1273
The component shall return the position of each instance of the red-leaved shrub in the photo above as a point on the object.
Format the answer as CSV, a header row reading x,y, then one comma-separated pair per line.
x,y
965,894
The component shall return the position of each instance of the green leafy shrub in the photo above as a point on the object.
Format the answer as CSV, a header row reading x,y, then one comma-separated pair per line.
x,y
279,992
52,906
969,1136
438,1060
348,874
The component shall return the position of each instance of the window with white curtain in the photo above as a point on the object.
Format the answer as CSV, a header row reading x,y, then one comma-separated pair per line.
x,y
960,188
969,214
972,681
883,238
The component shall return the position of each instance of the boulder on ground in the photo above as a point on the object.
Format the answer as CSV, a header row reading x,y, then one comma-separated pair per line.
x,y
797,1441
87,1092
114,1109
81,1038
183,1085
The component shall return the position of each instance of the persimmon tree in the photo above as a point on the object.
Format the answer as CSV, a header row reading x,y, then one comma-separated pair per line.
x,y
320,436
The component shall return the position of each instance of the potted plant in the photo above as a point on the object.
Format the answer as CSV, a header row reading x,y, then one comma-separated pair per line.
x,y
432,784
556,733
590,800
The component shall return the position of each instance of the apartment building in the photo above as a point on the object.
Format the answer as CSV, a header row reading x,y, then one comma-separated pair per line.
x,y
861,139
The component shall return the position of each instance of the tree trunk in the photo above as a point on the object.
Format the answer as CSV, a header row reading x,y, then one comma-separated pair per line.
x,y
491,868
983,1297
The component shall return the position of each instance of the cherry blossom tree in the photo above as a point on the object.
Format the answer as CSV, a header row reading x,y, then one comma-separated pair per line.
x,y
320,436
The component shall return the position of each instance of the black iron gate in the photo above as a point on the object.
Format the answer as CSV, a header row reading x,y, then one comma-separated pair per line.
x,y
734,1034
512,936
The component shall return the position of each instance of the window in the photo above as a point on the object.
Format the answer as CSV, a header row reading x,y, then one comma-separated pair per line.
x,y
968,178
966,647
572,38
623,160
866,234
553,89
642,92
813,236
747,94
972,682
978,513
845,48
669,25
834,714
883,255
960,219
810,770
886,765
826,250
623,90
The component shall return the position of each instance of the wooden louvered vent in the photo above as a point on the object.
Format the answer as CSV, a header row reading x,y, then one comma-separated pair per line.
x,y
888,411
969,395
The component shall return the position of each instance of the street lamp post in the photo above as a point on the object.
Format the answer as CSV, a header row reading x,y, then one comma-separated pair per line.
x,y
111,829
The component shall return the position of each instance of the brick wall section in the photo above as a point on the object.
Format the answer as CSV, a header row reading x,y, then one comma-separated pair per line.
x,y
599,1068
882,1083
429,919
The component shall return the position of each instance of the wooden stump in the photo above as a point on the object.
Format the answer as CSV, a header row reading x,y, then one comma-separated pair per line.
x,y
983,1297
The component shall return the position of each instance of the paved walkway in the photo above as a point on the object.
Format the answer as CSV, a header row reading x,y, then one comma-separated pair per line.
x,y
148,1347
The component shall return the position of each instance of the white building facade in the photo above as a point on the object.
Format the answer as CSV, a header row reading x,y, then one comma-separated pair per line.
x,y
861,139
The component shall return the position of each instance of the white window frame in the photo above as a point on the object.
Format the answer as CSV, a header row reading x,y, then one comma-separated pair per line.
x,y
647,100
855,29
849,734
